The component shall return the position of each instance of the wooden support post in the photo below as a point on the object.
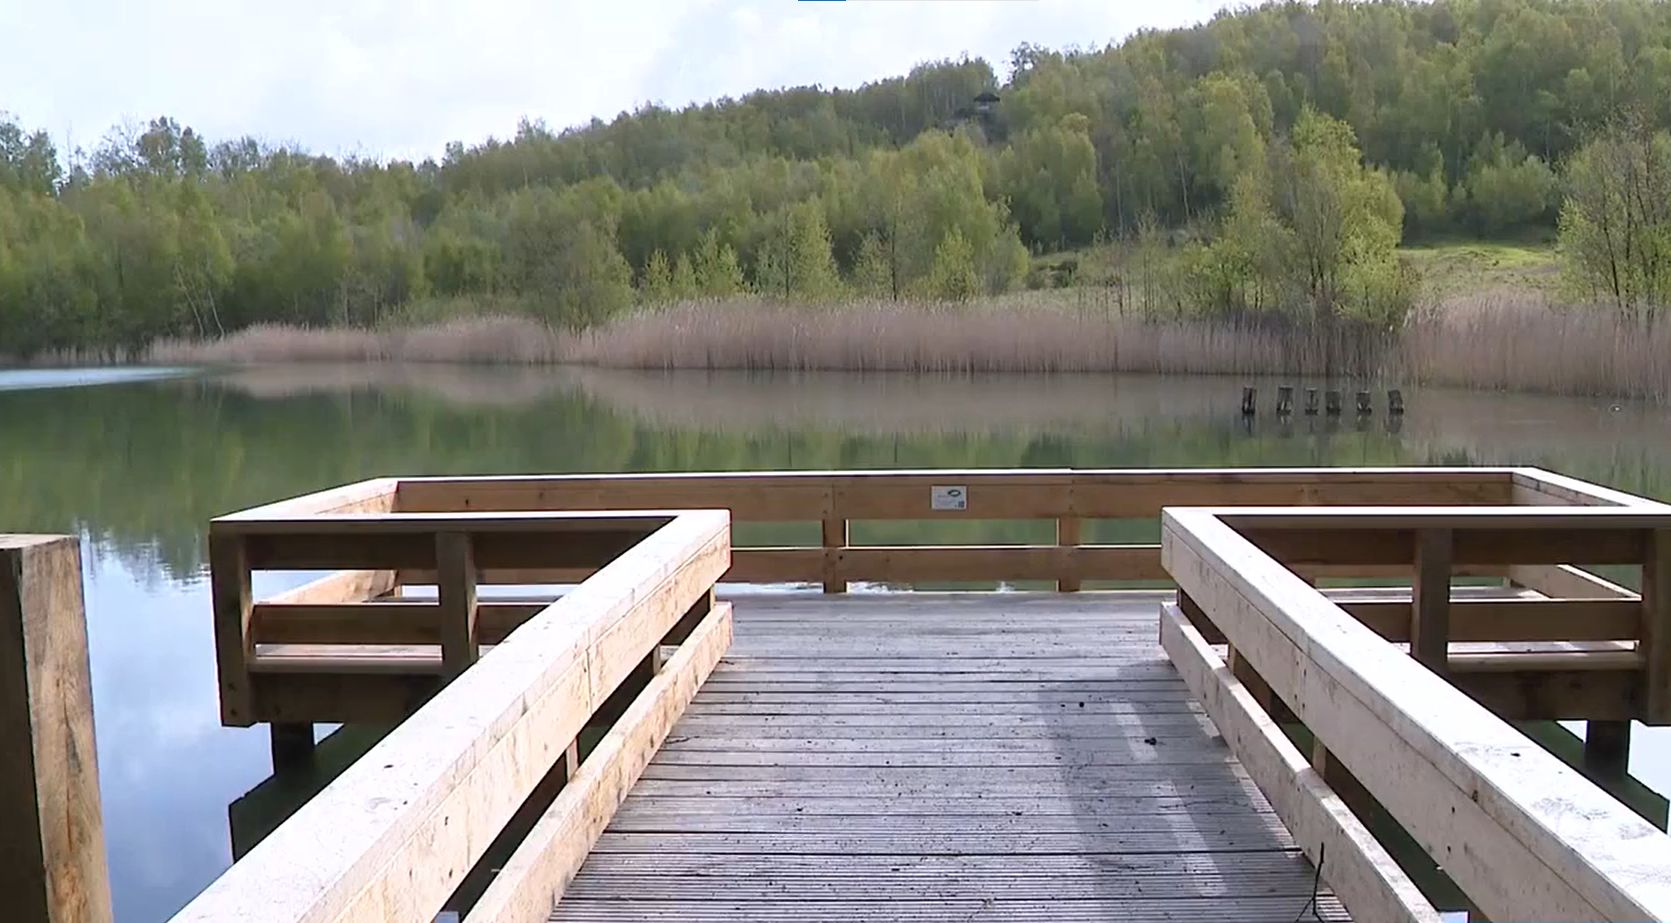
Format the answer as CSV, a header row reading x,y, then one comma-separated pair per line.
x,y
1067,538
1285,400
1311,402
52,858
1607,749
1258,688
229,587
1430,609
1341,780
293,746
1656,628
1249,402
698,611
455,584
835,539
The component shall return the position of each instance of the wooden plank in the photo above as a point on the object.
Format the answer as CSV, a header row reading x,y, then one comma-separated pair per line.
x,y
455,566
392,836
534,544
375,496
535,875
1566,581
1548,486
1525,836
1371,543
348,586
796,909
1656,628
1430,601
52,849
1510,619
402,622
1363,876
333,698
233,607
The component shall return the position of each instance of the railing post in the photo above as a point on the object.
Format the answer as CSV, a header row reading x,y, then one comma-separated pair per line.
x,y
52,856
455,583
1067,538
229,585
834,539
1656,627
1430,608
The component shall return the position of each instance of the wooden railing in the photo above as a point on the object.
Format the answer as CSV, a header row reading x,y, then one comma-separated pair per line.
x,y
52,861
1405,713
350,647
491,765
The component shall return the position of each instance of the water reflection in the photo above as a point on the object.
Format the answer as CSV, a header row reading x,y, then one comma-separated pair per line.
x,y
138,468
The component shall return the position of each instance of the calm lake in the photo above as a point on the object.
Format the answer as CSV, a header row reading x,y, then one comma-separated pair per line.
x,y
138,464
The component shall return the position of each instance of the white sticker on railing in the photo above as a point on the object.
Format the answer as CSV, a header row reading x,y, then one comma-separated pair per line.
x,y
949,498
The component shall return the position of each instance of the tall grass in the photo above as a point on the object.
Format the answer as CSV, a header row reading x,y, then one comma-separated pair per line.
x,y
1511,339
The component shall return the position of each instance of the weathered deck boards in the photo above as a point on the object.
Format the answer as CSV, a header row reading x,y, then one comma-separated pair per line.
x,y
942,757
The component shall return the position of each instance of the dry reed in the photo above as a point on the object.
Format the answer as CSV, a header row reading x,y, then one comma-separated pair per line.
x,y
1500,340
501,339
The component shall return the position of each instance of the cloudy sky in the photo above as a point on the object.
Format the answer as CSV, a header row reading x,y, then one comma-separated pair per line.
x,y
403,77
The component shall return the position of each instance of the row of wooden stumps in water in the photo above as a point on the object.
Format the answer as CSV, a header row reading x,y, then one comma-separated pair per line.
x,y
1331,402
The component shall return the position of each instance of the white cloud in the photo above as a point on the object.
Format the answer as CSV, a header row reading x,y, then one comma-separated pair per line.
x,y
403,77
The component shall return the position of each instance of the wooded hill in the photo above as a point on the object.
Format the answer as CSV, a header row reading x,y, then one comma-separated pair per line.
x,y
938,183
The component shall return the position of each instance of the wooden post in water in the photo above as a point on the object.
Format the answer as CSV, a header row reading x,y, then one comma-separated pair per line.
x,y
1395,402
1331,403
1607,749
52,859
1365,408
1285,400
1249,405
1311,402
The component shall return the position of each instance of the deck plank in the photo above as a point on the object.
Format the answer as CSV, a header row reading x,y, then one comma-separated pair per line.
x,y
944,757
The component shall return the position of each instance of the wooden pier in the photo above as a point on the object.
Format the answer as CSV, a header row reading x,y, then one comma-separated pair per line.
x,y
1242,746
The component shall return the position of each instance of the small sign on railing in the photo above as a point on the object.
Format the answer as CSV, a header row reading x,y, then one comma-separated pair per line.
x,y
949,498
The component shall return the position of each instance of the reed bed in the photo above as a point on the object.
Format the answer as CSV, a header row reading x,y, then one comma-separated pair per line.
x,y
1510,339
498,339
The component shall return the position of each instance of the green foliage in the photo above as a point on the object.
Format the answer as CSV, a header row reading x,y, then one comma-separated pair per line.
x,y
1458,109
953,277
1616,223
657,285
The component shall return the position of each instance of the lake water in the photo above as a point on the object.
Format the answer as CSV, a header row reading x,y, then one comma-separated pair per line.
x,y
137,463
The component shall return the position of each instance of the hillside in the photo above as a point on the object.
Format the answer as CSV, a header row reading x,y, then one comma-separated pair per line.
x,y
939,182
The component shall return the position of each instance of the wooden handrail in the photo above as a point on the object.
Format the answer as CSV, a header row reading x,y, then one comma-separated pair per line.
x,y
392,837
1523,835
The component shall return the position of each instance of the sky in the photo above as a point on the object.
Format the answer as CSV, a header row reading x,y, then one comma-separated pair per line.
x,y
401,78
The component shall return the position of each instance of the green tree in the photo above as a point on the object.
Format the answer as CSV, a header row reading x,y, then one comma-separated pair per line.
x,y
657,285
1616,222
953,277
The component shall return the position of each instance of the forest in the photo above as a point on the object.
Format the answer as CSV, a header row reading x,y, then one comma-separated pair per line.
x,y
1268,162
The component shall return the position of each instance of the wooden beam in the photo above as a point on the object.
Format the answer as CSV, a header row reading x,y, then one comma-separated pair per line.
x,y
1566,581
1509,619
533,544
52,856
404,622
1553,695
1522,834
348,586
393,835
455,567
1656,628
533,878
233,606
1367,542
1365,878
1430,600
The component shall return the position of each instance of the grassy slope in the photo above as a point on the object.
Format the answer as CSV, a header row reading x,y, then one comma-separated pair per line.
x,y
1463,266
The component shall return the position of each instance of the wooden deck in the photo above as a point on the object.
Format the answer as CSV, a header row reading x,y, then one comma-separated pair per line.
x,y
945,757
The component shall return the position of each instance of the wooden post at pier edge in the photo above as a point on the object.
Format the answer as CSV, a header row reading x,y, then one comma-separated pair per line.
x,y
52,856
